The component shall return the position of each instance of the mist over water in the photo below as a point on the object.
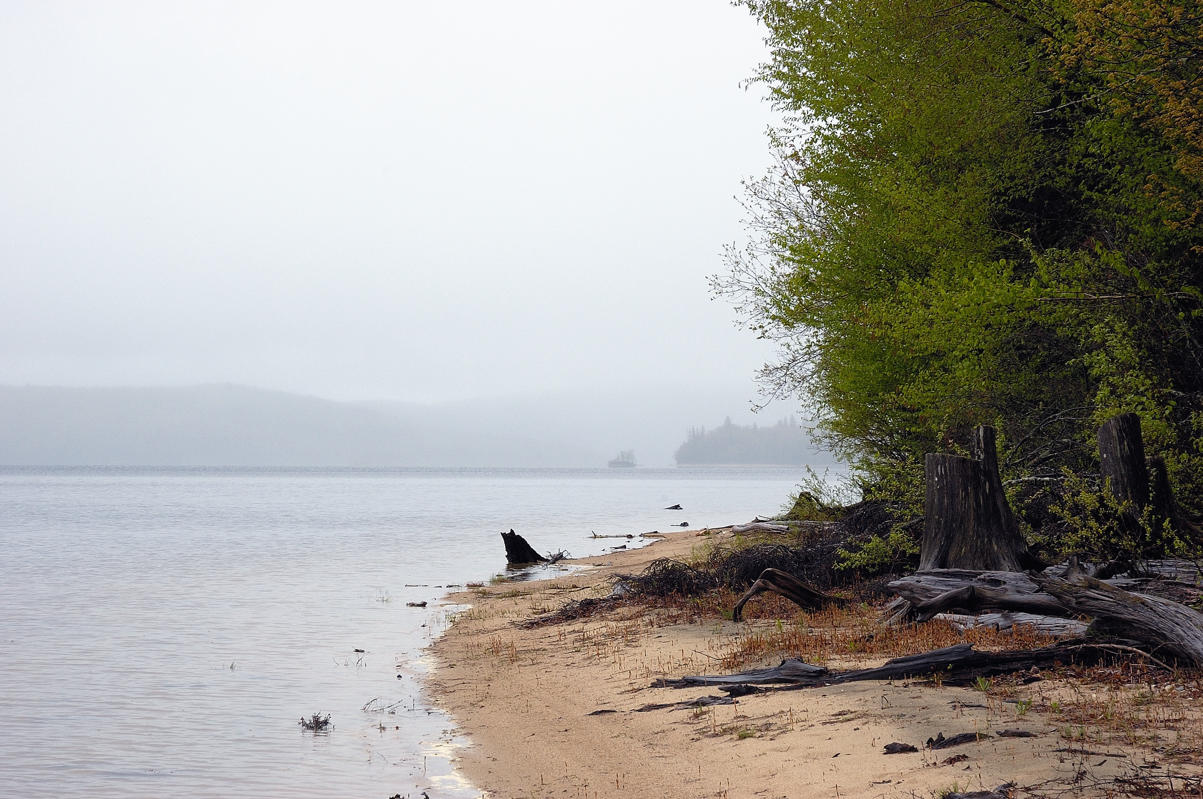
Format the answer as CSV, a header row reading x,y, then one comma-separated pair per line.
x,y
224,425
164,630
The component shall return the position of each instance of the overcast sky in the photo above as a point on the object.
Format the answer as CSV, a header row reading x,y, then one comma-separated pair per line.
x,y
371,200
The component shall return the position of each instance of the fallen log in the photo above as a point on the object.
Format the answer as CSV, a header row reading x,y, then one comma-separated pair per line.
x,y
788,586
960,664
790,670
943,590
938,591
1166,628
760,527
1006,620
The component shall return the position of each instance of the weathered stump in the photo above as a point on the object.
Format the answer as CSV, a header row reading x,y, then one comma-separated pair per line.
x,y
967,522
1123,468
518,552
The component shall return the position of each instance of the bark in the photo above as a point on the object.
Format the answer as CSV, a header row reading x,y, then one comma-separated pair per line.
x,y
984,450
967,522
1122,462
793,589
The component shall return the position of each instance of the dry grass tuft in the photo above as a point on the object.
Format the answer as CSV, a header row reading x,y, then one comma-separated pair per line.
x,y
851,634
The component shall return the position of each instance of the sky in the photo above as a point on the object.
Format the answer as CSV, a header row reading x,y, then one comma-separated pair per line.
x,y
375,200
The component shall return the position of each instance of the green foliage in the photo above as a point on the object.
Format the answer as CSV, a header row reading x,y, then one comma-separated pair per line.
x,y
880,555
820,498
973,220
1091,526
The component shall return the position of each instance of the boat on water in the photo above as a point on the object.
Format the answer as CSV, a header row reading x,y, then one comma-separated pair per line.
x,y
625,460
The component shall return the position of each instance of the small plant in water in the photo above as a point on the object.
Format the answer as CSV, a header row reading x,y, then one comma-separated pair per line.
x,y
317,722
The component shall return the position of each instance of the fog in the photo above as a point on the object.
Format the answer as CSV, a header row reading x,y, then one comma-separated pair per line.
x,y
226,425
405,201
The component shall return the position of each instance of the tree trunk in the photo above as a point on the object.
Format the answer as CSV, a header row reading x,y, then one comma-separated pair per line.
x,y
967,522
1123,468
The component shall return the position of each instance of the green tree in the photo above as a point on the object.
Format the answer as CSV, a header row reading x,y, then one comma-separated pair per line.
x,y
975,217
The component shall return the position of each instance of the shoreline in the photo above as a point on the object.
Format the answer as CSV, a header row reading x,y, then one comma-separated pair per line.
x,y
562,710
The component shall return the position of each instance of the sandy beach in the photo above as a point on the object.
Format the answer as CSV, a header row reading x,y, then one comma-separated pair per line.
x,y
567,709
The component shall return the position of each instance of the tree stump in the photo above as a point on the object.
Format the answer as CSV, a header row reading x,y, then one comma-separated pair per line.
x,y
1123,468
967,521
518,552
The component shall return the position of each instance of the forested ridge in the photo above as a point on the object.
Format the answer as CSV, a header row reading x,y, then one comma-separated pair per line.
x,y
984,212
783,443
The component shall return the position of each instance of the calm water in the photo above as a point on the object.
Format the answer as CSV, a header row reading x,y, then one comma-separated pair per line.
x,y
162,631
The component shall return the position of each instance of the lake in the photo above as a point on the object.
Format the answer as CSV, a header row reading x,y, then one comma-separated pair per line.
x,y
163,630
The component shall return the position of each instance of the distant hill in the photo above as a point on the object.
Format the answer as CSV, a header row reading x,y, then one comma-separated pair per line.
x,y
784,443
227,425
196,426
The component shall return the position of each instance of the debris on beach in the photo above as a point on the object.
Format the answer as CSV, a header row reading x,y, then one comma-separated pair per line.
x,y
940,742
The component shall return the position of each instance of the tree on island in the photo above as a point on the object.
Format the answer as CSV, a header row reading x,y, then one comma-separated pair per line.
x,y
784,443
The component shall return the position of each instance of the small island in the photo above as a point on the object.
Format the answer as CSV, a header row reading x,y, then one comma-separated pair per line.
x,y
782,444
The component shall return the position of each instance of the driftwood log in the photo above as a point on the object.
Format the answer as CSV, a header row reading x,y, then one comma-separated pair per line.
x,y
1005,620
760,527
518,552
928,593
960,664
788,586
1166,629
